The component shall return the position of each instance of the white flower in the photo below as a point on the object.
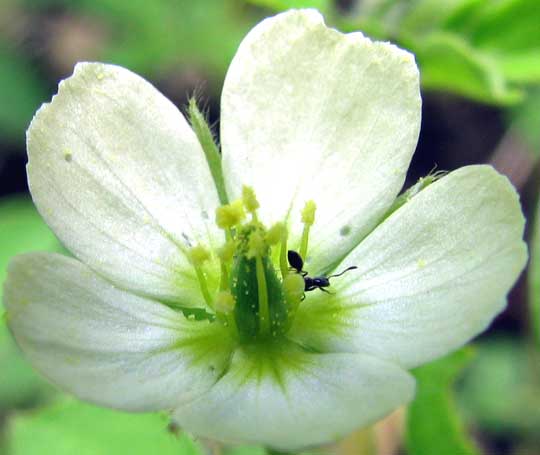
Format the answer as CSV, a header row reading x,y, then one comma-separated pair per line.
x,y
308,114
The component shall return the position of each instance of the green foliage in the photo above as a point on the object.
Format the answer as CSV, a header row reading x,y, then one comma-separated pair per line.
x,y
71,427
501,389
482,50
525,119
534,278
21,230
449,63
433,422
21,92
153,37
280,5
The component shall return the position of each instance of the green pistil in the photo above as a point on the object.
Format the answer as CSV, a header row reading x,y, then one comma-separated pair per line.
x,y
198,256
250,298
262,290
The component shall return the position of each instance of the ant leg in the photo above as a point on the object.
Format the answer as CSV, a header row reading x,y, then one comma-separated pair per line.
x,y
327,291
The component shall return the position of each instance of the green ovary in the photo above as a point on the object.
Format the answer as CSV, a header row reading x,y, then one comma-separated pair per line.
x,y
252,300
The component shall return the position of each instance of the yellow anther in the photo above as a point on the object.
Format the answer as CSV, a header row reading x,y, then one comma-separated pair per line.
x,y
308,213
224,302
199,255
249,199
274,234
226,252
256,246
228,216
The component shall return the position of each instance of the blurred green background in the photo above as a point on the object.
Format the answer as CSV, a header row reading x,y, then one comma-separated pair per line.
x,y
480,70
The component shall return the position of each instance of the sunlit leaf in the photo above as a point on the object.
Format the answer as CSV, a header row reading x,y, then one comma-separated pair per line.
x,y
433,422
71,427
448,63
281,5
523,67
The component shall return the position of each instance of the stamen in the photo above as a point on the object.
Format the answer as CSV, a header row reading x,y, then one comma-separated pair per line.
x,y
283,261
250,201
198,256
230,215
274,234
225,254
308,218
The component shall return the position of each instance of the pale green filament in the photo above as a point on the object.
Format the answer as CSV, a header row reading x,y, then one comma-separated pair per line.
x,y
226,253
198,256
283,261
308,218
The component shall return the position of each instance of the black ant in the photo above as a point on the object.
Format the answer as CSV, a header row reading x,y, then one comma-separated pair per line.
x,y
311,283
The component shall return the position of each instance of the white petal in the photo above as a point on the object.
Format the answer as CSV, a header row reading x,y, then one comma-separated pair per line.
x,y
120,177
105,345
290,399
429,278
310,113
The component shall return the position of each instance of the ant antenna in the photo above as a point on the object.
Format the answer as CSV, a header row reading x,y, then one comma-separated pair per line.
x,y
341,273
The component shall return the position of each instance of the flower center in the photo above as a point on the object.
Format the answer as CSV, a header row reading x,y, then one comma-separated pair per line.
x,y
261,285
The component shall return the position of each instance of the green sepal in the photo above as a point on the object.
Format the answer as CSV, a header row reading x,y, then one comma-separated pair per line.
x,y
211,151
245,291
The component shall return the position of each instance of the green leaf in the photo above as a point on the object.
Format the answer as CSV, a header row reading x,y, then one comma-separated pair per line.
x,y
72,427
534,279
508,31
282,5
21,230
522,67
159,37
525,119
21,92
500,391
448,63
433,423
